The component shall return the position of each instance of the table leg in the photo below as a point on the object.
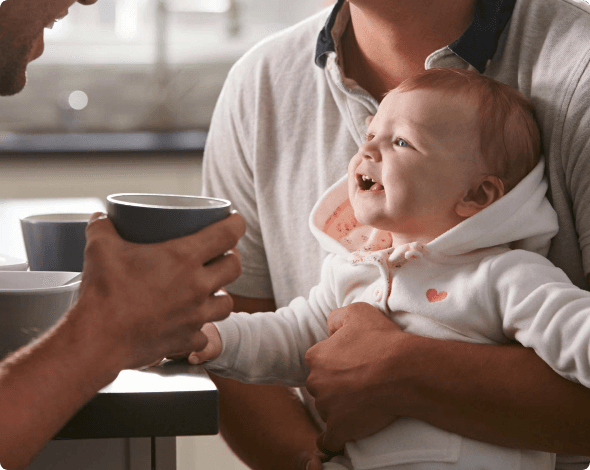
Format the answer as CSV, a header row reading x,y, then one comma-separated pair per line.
x,y
149,452
153,445
165,458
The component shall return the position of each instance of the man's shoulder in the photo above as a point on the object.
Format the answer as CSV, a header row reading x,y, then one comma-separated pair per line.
x,y
545,53
580,8
556,20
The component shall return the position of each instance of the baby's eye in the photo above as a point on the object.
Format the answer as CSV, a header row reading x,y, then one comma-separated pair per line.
x,y
369,137
400,142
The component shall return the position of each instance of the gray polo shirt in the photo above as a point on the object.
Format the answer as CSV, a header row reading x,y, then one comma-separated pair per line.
x,y
287,123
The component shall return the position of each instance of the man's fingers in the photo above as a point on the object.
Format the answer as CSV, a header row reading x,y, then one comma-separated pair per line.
x,y
329,443
177,357
220,272
98,224
212,241
175,346
355,314
155,363
335,321
314,464
236,252
96,216
321,411
216,307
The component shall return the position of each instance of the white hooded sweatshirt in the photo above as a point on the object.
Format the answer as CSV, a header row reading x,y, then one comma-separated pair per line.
x,y
486,280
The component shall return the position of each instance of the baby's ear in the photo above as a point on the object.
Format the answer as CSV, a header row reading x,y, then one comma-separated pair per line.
x,y
489,190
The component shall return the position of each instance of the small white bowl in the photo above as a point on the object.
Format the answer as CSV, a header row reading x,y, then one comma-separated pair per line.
x,y
30,303
36,282
9,263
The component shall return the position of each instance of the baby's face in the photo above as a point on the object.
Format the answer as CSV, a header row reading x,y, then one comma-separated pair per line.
x,y
420,158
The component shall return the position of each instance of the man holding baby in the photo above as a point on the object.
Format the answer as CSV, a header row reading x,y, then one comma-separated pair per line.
x,y
291,115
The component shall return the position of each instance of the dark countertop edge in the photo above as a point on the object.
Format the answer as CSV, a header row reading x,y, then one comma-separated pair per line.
x,y
170,399
161,414
193,141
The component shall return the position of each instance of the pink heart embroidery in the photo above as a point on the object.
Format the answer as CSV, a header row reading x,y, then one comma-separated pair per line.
x,y
434,296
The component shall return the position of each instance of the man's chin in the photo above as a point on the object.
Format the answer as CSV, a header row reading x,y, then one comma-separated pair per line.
x,y
37,49
13,74
13,65
11,85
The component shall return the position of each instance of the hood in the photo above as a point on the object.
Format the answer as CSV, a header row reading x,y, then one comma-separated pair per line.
x,y
522,219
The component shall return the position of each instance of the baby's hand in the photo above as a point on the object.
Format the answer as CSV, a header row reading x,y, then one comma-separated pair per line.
x,y
213,348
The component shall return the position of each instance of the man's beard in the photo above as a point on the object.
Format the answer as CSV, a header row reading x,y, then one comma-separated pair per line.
x,y
13,65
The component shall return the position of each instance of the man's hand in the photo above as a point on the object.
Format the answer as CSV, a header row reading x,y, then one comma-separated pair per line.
x,y
137,303
148,301
348,378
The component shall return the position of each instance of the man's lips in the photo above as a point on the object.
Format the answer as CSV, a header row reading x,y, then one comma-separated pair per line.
x,y
367,183
60,16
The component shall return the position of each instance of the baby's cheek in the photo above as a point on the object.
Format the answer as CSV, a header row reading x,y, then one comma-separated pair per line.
x,y
354,162
352,166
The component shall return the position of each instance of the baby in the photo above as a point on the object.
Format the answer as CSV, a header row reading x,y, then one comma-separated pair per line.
x,y
442,223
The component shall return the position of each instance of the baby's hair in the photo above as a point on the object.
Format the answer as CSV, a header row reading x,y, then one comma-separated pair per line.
x,y
509,134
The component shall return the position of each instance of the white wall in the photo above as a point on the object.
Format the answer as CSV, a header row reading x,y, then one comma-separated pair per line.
x,y
96,175
205,453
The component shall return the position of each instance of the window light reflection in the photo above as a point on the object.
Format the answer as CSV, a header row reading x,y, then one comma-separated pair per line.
x,y
78,100
153,380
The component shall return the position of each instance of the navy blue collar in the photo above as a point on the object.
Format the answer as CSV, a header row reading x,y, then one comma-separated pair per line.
x,y
325,42
476,45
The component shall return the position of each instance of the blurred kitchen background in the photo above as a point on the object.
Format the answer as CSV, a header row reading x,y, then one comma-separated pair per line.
x,y
122,97
121,101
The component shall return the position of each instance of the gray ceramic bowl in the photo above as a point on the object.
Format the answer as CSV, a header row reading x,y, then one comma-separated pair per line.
x,y
152,218
30,303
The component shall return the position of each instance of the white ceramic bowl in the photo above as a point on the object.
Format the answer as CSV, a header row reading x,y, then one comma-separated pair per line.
x,y
9,263
30,303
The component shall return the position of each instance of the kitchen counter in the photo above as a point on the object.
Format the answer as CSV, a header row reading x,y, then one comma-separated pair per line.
x,y
72,143
172,399
131,424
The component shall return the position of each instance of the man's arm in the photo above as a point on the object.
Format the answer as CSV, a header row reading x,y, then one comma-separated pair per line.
x,y
267,426
368,372
137,304
42,386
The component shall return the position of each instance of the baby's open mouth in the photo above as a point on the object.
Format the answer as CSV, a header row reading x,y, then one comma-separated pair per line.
x,y
366,183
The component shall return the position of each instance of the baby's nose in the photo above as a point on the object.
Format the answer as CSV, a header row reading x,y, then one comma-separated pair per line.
x,y
370,151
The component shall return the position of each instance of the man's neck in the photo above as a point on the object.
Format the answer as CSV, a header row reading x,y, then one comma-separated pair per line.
x,y
388,41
